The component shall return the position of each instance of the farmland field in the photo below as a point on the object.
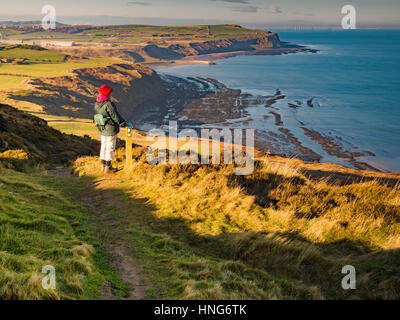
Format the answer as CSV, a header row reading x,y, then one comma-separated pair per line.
x,y
16,76
31,54
54,70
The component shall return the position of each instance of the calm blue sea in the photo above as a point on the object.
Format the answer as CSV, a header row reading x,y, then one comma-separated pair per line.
x,y
355,78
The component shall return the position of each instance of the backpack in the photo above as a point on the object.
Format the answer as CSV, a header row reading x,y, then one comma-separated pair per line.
x,y
99,120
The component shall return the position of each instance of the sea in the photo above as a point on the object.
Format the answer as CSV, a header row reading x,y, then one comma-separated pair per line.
x,y
354,81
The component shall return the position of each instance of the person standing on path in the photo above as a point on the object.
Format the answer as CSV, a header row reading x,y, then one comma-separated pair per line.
x,y
109,121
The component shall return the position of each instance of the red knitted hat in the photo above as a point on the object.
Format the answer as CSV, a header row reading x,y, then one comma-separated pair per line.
x,y
106,90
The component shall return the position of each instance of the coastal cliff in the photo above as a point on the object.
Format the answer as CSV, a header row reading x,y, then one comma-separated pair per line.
x,y
164,44
270,41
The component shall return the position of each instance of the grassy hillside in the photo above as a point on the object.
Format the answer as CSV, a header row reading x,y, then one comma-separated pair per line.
x,y
42,220
26,140
204,233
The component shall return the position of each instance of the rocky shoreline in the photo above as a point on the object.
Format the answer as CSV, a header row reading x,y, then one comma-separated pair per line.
x,y
207,103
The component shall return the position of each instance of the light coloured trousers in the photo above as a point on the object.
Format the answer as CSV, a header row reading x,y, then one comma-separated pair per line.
x,y
108,145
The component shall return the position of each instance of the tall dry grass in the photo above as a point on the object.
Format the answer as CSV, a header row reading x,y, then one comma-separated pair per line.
x,y
297,231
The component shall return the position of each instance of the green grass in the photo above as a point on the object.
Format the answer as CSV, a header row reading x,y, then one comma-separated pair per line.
x,y
12,82
54,70
75,127
41,225
37,229
83,127
200,231
56,36
14,77
42,220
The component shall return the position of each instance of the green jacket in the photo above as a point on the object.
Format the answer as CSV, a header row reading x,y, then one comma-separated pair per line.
x,y
110,112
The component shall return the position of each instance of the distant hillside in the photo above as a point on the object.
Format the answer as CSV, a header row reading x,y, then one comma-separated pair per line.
x,y
141,33
144,43
25,23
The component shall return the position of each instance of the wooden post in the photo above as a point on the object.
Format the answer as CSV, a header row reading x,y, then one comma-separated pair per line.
x,y
128,148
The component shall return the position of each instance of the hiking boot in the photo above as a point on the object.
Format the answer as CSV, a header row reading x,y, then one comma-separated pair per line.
x,y
109,168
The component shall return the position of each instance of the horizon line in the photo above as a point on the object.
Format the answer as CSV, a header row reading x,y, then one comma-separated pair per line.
x,y
187,22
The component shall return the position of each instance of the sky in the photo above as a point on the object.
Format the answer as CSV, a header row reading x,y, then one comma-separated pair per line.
x,y
380,13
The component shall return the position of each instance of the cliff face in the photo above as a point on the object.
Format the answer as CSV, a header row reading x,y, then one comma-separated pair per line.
x,y
229,45
163,53
135,89
177,51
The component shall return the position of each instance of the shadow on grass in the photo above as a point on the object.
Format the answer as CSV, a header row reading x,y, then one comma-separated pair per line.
x,y
289,257
345,178
261,184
